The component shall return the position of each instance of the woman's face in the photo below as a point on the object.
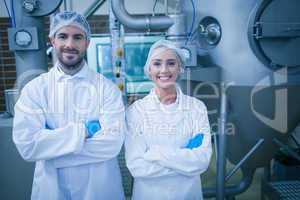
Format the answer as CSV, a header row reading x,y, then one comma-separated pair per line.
x,y
164,68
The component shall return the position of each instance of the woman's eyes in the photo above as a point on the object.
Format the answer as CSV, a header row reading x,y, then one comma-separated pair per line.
x,y
171,63
168,63
157,64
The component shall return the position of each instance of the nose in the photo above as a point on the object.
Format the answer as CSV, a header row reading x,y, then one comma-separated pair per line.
x,y
69,43
164,67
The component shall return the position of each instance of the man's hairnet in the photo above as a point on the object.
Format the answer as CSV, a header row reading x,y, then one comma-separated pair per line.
x,y
69,18
167,45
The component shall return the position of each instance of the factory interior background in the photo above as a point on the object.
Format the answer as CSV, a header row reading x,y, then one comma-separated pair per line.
x,y
253,47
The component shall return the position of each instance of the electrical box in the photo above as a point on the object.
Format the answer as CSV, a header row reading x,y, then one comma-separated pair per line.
x,y
22,39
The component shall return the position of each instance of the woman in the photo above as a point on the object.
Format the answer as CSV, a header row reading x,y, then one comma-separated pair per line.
x,y
168,144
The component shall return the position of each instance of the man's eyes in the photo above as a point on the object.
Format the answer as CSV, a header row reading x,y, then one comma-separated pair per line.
x,y
76,37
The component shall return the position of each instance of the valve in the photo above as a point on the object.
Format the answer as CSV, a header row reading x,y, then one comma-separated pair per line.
x,y
30,5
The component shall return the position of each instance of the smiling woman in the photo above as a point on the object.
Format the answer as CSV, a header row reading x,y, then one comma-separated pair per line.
x,y
163,66
164,69
168,144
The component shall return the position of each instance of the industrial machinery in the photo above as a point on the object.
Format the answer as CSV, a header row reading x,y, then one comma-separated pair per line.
x,y
242,62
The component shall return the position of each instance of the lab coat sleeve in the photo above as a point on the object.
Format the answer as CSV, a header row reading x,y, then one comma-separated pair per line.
x,y
33,141
185,161
136,147
106,144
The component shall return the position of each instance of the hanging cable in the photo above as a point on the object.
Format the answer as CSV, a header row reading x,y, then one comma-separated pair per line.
x,y
7,9
193,21
13,13
9,16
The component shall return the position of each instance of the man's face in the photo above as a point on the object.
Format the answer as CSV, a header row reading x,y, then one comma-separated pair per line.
x,y
70,45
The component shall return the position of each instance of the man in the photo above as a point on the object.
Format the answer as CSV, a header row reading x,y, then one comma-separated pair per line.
x,y
70,121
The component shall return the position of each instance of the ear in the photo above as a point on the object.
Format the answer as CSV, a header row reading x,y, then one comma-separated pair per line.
x,y
52,40
181,69
87,43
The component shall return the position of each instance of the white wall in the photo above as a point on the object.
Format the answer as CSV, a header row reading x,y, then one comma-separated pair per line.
x,y
133,6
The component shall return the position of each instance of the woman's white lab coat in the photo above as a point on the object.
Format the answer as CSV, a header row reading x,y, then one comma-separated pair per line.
x,y
49,129
157,134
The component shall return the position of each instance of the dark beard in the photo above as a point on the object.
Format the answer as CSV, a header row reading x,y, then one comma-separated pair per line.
x,y
72,66
71,69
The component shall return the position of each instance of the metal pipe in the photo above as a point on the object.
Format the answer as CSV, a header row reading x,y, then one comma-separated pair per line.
x,y
232,172
93,8
143,23
288,149
166,7
233,190
30,63
65,5
221,162
71,4
295,140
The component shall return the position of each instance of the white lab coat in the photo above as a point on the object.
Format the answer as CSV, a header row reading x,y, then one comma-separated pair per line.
x,y
49,129
155,155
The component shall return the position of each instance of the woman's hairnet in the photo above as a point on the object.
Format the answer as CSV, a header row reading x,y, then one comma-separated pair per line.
x,y
68,18
168,45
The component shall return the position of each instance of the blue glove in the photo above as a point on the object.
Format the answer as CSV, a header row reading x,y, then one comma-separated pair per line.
x,y
47,127
195,141
92,127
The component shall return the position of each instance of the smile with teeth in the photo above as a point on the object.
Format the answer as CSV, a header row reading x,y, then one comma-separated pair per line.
x,y
165,77
70,52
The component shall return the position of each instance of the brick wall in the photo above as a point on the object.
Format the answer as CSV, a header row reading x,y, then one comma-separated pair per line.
x,y
99,24
7,62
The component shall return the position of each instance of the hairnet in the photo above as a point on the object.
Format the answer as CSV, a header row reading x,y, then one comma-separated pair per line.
x,y
68,18
168,45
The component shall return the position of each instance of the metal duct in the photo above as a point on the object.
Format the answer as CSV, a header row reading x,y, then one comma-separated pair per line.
x,y
93,8
143,23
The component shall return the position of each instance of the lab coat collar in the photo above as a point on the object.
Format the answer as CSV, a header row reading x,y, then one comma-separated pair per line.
x,y
156,97
180,102
83,73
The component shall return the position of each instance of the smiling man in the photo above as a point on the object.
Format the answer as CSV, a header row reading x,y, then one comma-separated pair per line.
x,y
70,121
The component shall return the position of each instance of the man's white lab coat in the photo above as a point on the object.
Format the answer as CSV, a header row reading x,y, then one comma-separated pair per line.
x,y
49,129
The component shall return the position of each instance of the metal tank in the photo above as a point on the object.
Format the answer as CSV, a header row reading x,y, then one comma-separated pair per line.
x,y
255,44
